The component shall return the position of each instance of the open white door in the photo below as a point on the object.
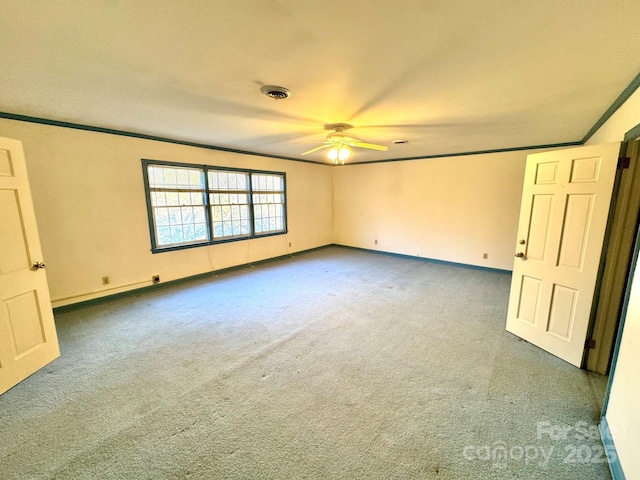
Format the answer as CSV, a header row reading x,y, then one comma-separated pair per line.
x,y
563,219
28,338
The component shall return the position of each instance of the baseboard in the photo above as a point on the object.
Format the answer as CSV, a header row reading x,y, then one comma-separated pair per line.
x,y
177,281
610,450
425,259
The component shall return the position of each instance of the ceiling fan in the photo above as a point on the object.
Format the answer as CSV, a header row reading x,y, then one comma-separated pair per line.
x,y
340,143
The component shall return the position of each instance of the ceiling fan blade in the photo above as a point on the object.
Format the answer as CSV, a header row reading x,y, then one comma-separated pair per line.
x,y
316,149
371,146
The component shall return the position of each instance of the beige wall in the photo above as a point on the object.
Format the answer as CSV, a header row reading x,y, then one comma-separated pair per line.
x,y
453,209
623,120
623,412
90,206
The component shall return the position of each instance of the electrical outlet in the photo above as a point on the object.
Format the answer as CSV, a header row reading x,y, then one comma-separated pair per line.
x,y
105,280
485,255
376,241
156,279
289,243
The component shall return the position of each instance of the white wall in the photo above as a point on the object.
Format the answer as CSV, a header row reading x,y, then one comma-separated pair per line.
x,y
453,209
91,210
623,411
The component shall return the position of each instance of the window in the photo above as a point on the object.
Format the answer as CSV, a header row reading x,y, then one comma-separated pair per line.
x,y
177,204
191,205
268,202
229,200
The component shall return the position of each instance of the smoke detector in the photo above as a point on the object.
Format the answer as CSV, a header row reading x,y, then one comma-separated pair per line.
x,y
275,92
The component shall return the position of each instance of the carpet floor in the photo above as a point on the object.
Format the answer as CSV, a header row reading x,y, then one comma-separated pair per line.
x,y
337,364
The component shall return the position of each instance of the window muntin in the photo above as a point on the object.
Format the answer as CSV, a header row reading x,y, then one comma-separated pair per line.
x,y
192,205
177,204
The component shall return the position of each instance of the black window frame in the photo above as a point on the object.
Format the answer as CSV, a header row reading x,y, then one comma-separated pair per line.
x,y
207,191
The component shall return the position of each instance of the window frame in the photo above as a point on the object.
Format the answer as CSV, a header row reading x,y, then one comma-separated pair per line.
x,y
207,204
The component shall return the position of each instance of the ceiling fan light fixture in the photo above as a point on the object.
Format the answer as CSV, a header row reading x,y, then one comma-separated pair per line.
x,y
339,153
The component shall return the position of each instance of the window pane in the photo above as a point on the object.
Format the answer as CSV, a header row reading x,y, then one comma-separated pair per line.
x,y
162,217
182,177
187,214
196,198
198,215
155,176
216,213
176,234
158,198
201,231
175,216
189,232
223,180
164,236
213,180
172,198
169,176
195,177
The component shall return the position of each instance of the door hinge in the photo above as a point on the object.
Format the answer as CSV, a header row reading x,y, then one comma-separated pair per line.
x,y
590,343
623,162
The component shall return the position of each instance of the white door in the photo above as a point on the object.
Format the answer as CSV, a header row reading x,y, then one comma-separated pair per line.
x,y
563,218
28,338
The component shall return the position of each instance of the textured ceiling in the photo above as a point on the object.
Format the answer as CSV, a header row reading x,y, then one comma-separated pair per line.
x,y
448,76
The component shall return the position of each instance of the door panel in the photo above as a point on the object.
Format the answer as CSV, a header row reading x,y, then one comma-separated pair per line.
x,y
575,231
563,303
25,321
28,338
529,299
13,254
541,214
563,218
